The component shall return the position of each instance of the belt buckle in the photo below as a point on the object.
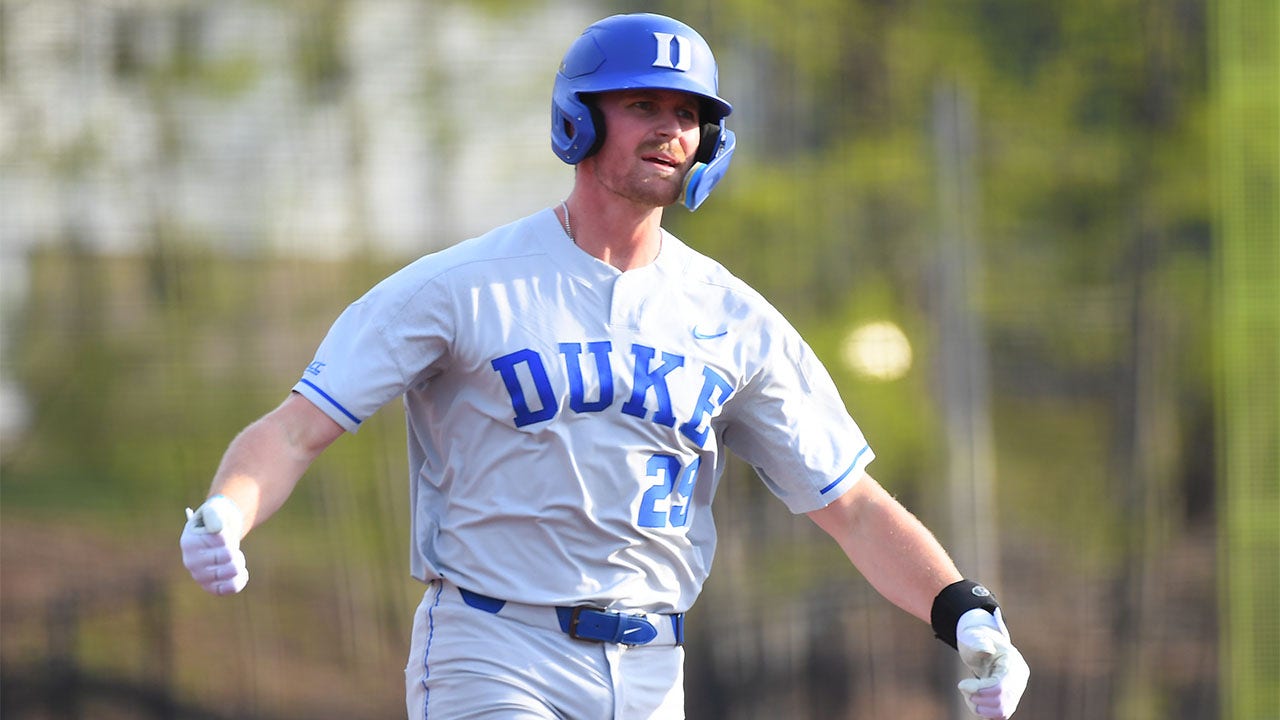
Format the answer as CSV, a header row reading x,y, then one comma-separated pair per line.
x,y
575,616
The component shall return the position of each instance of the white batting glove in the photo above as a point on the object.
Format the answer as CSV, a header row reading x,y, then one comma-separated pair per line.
x,y
211,546
1000,671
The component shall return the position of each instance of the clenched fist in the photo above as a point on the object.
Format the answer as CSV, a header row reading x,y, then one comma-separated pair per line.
x,y
1000,672
211,546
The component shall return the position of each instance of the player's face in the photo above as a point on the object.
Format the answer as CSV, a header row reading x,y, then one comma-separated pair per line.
x,y
650,142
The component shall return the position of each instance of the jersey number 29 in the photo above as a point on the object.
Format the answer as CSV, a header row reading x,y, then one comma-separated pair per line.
x,y
676,488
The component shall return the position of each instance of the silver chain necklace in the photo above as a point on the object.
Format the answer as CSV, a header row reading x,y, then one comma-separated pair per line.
x,y
568,229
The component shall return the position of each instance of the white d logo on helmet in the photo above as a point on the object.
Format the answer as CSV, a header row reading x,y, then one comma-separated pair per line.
x,y
684,55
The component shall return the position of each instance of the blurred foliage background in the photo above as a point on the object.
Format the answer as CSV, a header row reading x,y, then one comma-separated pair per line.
x,y
1036,242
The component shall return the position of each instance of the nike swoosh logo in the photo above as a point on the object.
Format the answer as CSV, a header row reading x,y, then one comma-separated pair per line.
x,y
699,335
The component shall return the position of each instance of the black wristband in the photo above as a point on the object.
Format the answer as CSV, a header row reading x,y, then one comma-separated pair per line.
x,y
955,600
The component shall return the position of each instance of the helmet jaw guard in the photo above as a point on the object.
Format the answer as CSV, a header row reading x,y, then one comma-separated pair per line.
x,y
640,51
703,176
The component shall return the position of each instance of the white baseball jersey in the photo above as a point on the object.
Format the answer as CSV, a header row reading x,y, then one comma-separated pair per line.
x,y
567,422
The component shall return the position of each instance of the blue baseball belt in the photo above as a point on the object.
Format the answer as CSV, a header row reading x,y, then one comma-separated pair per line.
x,y
585,622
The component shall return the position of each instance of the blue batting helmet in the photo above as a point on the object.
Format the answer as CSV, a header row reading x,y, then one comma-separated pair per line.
x,y
641,50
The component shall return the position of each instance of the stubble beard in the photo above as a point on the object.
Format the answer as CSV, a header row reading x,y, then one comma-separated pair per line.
x,y
656,191
642,185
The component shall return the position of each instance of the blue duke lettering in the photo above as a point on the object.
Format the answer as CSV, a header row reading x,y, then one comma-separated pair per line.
x,y
527,379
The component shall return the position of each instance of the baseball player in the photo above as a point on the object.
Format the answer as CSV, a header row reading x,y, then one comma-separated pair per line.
x,y
572,382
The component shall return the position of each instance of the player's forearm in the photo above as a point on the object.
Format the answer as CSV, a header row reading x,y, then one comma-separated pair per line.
x,y
892,549
900,557
258,487
263,464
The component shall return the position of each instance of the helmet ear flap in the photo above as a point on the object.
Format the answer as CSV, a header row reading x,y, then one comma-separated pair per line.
x,y
577,127
703,176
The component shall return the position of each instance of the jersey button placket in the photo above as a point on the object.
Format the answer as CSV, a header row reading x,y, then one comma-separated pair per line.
x,y
629,292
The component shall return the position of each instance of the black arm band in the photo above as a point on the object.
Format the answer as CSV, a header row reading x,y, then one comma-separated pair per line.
x,y
955,600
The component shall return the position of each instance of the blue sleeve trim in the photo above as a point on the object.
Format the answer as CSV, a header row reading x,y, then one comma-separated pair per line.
x,y
335,403
848,470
